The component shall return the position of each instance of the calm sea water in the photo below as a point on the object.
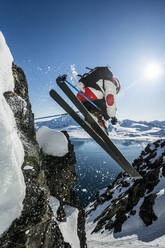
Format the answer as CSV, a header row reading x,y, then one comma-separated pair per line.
x,y
95,169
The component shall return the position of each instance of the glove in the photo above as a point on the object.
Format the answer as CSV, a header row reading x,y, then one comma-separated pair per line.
x,y
106,117
113,120
61,78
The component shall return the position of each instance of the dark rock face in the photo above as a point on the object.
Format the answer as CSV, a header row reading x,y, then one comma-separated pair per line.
x,y
21,107
60,174
60,177
146,210
124,193
37,227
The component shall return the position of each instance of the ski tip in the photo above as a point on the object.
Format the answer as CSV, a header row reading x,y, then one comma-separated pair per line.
x,y
51,92
61,79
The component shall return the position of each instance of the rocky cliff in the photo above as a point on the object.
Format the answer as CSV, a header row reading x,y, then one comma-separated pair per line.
x,y
45,176
128,207
51,215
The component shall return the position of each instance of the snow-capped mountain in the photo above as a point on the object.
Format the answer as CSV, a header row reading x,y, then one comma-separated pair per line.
x,y
124,130
128,212
57,122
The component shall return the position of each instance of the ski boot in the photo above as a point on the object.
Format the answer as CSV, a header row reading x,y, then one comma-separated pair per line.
x,y
99,119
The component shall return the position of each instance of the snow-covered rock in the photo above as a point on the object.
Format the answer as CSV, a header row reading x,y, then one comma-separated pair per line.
x,y
12,186
132,210
52,142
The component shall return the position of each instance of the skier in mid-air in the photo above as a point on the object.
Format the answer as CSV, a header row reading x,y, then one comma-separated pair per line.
x,y
100,87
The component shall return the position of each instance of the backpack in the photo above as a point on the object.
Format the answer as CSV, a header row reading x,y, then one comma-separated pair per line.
x,y
89,79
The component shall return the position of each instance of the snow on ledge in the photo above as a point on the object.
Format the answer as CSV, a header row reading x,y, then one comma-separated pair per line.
x,y
52,142
12,185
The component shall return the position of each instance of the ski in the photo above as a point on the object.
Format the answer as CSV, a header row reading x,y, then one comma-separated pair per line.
x,y
95,131
113,150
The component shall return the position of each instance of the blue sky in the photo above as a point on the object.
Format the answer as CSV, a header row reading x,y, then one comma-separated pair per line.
x,y
47,37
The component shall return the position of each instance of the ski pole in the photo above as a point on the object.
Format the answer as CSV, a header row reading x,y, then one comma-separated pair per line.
x,y
49,116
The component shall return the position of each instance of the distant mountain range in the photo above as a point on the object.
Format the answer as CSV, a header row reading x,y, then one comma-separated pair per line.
x,y
58,122
125,129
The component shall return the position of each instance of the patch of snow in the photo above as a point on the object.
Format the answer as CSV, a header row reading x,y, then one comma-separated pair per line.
x,y
68,228
160,199
54,203
27,232
100,208
152,146
12,186
108,241
6,59
52,142
28,167
159,152
102,191
24,105
138,124
161,193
